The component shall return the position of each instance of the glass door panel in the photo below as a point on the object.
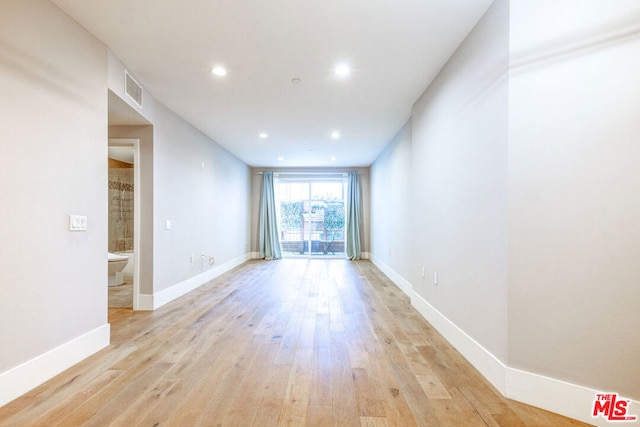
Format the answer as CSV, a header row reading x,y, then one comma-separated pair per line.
x,y
311,217
290,199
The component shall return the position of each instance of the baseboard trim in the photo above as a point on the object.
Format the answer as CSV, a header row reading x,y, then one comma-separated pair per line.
x,y
551,394
400,281
157,300
17,381
481,358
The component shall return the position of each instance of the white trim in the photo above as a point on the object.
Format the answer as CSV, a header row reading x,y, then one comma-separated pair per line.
x,y
570,400
22,378
137,222
400,281
483,360
558,396
157,300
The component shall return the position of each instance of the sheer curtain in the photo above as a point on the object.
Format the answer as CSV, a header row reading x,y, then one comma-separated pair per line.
x,y
269,241
352,226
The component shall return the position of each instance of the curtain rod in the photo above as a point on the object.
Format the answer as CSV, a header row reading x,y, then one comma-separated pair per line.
x,y
306,173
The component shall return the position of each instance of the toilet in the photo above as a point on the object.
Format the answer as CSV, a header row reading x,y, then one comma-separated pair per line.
x,y
117,263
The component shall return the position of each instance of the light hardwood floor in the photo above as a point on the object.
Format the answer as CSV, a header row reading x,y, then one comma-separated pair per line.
x,y
121,296
290,342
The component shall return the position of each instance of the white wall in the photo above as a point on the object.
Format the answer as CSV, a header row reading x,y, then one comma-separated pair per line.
x,y
574,192
208,206
524,157
53,145
459,164
392,213
53,283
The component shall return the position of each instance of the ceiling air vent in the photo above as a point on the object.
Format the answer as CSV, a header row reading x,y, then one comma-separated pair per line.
x,y
133,89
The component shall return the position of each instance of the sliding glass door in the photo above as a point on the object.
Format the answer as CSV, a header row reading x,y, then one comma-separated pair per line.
x,y
311,215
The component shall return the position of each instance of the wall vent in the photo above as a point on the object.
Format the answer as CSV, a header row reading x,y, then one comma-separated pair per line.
x,y
133,89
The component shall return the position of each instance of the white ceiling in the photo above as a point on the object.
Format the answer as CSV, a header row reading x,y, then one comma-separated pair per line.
x,y
394,48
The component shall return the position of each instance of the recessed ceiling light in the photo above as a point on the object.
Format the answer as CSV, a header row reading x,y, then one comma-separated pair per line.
x,y
280,158
335,134
263,135
219,71
333,158
295,80
342,70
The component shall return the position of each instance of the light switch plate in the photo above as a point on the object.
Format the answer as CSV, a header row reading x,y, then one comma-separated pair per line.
x,y
77,223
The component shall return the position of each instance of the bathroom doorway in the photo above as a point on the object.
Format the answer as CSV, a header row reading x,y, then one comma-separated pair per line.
x,y
124,222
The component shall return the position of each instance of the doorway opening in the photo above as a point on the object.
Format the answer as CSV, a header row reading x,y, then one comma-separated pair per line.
x,y
311,214
124,222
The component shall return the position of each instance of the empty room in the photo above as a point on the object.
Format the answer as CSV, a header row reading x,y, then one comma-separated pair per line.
x,y
363,213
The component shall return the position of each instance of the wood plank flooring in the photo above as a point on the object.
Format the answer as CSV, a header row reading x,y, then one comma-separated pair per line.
x,y
121,296
294,342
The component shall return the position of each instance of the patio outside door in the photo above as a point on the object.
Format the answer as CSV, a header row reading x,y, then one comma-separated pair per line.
x,y
311,216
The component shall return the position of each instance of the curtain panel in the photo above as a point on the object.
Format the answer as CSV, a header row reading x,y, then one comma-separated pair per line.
x,y
268,232
352,238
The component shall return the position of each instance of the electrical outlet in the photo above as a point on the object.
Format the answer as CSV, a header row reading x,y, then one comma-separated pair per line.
x,y
423,272
435,278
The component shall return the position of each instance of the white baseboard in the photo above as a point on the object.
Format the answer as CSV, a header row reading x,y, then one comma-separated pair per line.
x,y
483,360
400,281
558,396
551,394
17,381
157,300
